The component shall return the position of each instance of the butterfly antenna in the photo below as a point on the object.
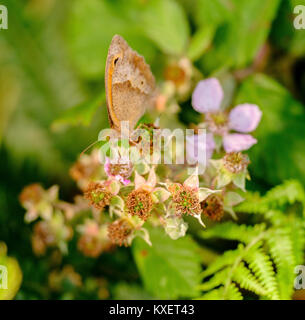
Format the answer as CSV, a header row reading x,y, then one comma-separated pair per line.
x,y
91,145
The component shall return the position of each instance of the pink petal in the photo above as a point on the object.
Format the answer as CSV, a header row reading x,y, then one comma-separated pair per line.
x,y
245,117
195,147
139,181
192,181
207,96
107,167
238,142
152,178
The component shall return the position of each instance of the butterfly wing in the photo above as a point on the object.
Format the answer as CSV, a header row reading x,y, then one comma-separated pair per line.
x,y
130,84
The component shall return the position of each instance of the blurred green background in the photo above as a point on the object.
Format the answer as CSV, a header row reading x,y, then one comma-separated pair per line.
x,y
52,60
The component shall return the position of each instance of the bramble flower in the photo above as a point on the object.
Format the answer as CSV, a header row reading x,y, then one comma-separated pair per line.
x,y
212,207
195,143
51,233
86,168
180,73
187,197
186,200
122,231
244,118
215,205
94,239
100,194
231,168
38,201
236,162
42,238
140,202
70,210
58,278
119,232
120,171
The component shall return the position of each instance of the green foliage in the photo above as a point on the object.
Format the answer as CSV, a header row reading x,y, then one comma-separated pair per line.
x,y
81,113
267,253
125,291
279,197
280,152
169,268
52,61
88,47
200,42
283,34
236,20
165,23
157,23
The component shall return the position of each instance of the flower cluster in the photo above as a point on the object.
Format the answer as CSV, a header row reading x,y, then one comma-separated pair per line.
x,y
121,198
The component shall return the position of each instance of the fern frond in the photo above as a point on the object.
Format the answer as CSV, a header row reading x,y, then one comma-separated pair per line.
x,y
217,280
281,250
297,236
261,265
289,192
253,203
232,231
246,280
267,254
232,293
228,258
215,294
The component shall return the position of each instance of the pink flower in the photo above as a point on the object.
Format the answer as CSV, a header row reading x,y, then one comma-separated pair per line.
x,y
197,143
244,118
120,171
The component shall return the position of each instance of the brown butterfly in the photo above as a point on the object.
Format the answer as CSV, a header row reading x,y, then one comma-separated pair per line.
x,y
130,84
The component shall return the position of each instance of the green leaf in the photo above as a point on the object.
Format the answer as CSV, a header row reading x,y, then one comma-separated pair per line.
x,y
247,280
169,268
91,26
232,231
281,249
80,114
125,291
200,42
280,151
212,13
233,47
284,34
165,23
261,265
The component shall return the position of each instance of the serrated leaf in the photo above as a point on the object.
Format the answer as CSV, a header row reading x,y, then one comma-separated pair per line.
x,y
169,268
